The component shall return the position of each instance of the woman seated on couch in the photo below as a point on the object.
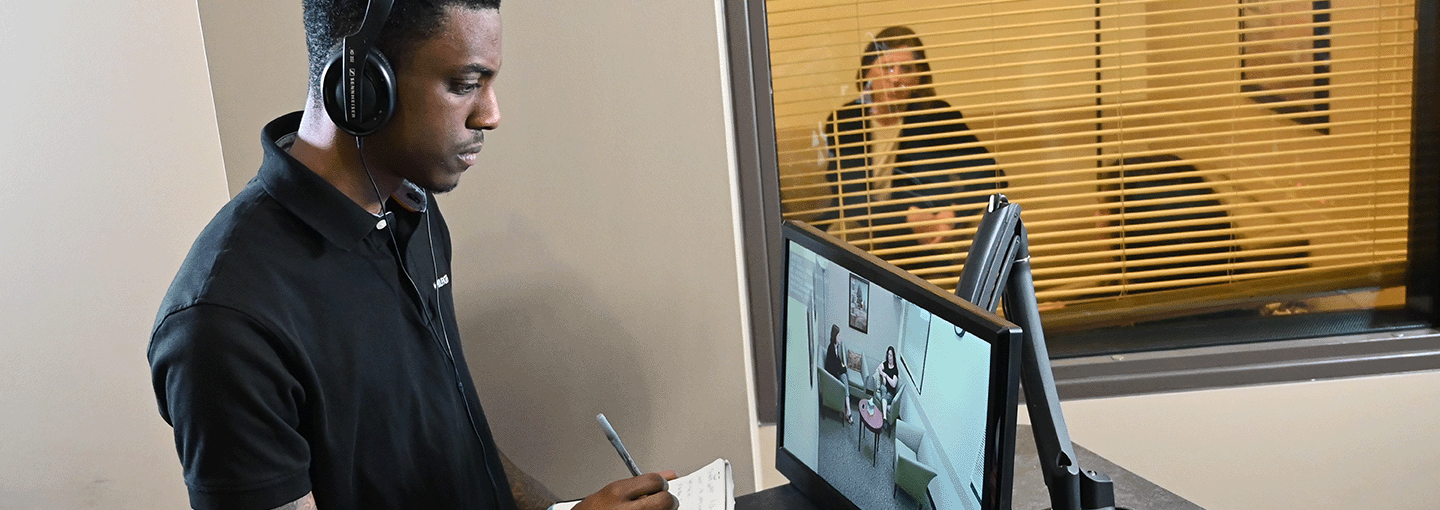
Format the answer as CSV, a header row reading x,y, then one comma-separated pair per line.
x,y
835,364
888,372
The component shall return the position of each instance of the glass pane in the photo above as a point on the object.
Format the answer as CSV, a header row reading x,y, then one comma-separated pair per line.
x,y
1181,163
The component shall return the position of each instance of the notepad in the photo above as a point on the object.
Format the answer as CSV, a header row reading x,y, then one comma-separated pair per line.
x,y
709,488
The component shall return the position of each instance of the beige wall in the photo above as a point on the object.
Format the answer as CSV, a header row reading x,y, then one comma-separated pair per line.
x,y
111,165
258,71
596,262
1355,443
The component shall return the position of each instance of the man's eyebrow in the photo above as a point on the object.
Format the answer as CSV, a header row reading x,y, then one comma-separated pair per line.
x,y
480,69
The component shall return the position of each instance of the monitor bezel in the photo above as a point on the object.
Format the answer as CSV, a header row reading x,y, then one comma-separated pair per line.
x,y
1003,336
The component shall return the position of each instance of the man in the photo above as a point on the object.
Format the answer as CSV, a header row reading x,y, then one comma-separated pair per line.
x,y
307,353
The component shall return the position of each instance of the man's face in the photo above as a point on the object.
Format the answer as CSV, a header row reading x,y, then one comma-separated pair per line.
x,y
446,101
892,77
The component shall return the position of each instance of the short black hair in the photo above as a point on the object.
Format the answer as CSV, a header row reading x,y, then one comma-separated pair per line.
x,y
327,22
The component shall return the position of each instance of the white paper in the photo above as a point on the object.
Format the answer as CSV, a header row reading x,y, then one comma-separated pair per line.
x,y
709,488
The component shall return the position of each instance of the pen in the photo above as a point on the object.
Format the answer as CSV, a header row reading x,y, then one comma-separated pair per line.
x,y
619,447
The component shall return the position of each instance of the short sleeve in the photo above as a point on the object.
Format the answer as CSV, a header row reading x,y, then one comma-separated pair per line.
x,y
225,384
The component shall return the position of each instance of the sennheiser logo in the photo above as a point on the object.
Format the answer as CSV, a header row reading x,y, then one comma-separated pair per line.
x,y
444,280
351,85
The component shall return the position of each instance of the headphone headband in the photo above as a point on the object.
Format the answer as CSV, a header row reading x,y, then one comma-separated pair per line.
x,y
353,54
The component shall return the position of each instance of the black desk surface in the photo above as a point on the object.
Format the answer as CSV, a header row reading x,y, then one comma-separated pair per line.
x,y
1131,491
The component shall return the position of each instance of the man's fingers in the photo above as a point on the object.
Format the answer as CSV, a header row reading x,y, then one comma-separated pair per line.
x,y
659,501
649,492
644,485
669,475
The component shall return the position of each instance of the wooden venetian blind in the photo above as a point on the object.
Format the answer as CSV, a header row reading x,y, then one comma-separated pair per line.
x,y
1169,154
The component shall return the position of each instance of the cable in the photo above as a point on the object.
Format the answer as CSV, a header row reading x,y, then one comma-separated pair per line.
x,y
437,320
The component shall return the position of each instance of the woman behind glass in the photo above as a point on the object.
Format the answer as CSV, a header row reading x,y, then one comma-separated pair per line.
x,y
898,132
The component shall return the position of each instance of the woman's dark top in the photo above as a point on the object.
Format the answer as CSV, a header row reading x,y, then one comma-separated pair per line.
x,y
834,363
929,140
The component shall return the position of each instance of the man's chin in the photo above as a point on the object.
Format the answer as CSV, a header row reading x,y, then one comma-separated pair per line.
x,y
442,189
438,187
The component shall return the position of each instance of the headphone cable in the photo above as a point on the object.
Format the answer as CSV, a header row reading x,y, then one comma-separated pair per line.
x,y
429,323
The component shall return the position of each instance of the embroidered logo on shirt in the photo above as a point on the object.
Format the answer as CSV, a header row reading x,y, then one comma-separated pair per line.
x,y
442,281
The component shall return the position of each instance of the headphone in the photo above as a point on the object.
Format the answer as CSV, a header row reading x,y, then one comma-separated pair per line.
x,y
358,90
358,84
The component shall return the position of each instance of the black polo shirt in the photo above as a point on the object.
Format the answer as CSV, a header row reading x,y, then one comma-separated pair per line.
x,y
292,355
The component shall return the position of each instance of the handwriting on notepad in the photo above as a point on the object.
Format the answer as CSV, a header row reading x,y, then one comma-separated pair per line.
x,y
704,489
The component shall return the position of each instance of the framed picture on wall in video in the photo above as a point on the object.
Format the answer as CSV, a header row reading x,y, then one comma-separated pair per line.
x,y
859,304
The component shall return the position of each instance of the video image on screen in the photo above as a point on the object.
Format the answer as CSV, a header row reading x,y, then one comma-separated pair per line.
x,y
884,401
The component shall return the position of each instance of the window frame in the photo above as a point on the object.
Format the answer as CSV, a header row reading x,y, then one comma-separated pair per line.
x,y
1308,358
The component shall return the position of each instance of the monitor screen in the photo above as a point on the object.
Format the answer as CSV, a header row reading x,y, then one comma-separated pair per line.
x,y
895,394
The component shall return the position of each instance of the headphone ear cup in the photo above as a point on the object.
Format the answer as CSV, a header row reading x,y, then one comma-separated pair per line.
x,y
376,90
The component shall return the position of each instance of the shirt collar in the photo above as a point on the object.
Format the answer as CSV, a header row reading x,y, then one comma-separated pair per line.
x,y
313,199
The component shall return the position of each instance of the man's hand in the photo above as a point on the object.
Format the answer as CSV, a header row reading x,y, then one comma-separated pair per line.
x,y
644,492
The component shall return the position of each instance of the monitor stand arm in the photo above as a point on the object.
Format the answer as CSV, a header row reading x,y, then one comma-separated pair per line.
x,y
999,265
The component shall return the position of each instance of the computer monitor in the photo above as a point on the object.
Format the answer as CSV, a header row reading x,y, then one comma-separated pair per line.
x,y
942,438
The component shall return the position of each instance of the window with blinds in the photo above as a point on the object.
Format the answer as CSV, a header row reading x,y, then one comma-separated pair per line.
x,y
1173,158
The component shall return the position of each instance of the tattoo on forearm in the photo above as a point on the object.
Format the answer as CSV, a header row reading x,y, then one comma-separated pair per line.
x,y
529,493
530,497
306,502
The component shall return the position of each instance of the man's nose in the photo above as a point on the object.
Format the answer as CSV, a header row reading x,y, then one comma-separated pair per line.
x,y
486,114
